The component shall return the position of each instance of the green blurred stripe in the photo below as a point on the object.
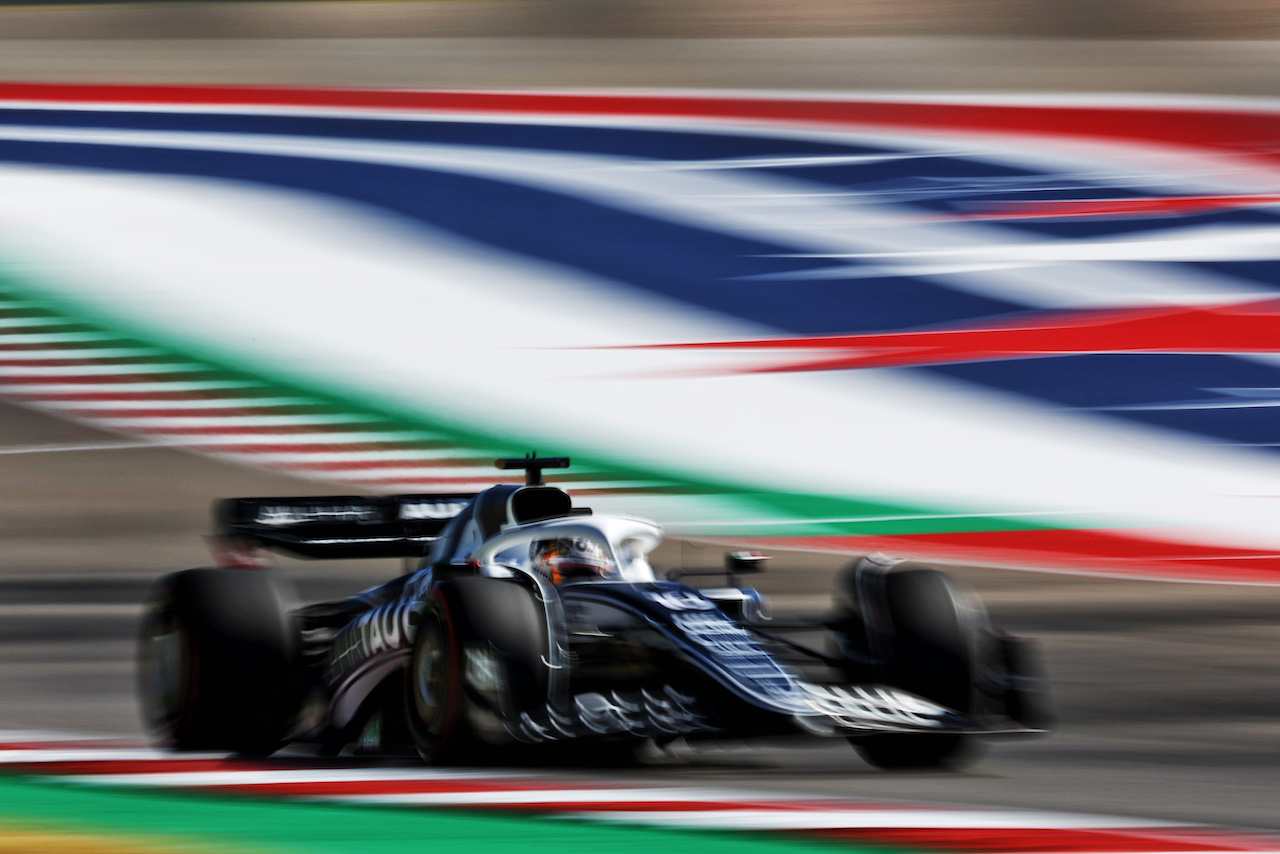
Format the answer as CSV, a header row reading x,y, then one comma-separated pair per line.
x,y
295,826
607,474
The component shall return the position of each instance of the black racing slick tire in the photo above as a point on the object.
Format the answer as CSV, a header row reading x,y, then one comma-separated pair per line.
x,y
479,660
216,662
928,638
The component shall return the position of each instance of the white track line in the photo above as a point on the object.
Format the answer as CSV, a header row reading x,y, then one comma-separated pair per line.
x,y
82,446
45,756
273,777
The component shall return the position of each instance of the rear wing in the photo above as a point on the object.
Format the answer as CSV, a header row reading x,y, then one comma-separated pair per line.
x,y
341,526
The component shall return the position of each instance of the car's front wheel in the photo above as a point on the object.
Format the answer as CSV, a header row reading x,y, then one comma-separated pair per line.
x,y
926,637
479,660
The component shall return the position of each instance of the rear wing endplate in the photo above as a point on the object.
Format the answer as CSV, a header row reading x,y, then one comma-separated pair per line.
x,y
342,526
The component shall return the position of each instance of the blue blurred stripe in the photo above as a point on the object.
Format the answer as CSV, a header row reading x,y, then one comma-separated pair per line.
x,y
706,269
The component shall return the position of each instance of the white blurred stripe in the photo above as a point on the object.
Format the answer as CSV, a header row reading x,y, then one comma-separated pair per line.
x,y
129,387
86,354
408,455
196,403
57,337
225,421
777,162
839,520
90,369
337,439
49,756
449,478
408,470
42,320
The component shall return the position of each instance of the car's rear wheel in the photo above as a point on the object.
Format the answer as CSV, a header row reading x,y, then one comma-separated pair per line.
x,y
216,658
479,660
927,639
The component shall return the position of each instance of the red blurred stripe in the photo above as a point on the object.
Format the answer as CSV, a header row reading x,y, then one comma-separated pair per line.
x,y
1225,130
1144,207
1098,551
1241,328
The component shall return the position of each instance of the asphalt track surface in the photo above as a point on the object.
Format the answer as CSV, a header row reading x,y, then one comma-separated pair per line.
x,y
1167,694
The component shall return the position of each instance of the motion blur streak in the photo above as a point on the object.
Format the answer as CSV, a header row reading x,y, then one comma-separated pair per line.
x,y
1034,333
261,826
618,813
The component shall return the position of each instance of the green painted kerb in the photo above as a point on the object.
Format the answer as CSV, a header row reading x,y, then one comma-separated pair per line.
x,y
778,513
292,826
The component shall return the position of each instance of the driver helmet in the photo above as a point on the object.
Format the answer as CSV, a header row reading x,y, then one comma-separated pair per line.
x,y
570,558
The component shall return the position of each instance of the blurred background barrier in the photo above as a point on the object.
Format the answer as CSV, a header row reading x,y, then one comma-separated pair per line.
x,y
924,45
1088,19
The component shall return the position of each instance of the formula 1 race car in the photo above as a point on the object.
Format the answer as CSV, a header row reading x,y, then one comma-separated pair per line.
x,y
529,621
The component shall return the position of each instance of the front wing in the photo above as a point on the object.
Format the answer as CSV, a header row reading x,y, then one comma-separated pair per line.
x,y
830,710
